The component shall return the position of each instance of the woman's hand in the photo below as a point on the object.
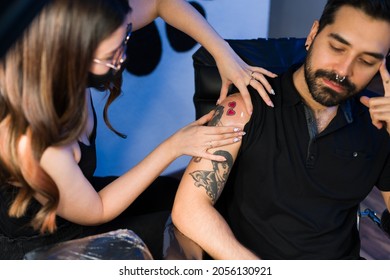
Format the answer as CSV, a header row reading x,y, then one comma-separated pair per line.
x,y
195,139
234,70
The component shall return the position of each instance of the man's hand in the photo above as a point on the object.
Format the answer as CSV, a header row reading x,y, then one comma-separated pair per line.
x,y
379,107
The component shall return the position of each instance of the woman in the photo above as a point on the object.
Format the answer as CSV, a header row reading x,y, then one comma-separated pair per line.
x,y
48,126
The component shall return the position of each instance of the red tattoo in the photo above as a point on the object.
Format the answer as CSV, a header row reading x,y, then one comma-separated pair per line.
x,y
230,111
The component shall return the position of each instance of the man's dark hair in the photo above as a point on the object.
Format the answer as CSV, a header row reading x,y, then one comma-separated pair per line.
x,y
378,9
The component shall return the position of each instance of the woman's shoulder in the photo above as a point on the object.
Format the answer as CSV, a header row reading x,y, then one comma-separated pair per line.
x,y
61,155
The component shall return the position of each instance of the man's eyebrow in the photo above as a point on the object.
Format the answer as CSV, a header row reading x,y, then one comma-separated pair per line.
x,y
337,37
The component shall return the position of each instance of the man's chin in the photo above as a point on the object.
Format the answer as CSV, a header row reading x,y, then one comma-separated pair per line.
x,y
328,102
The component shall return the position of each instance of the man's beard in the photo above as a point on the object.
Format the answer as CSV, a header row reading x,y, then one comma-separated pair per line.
x,y
321,93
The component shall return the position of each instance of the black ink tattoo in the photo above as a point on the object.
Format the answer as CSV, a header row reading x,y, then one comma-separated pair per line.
x,y
214,181
216,120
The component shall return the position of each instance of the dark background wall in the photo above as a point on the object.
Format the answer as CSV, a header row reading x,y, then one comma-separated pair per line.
x,y
293,18
158,89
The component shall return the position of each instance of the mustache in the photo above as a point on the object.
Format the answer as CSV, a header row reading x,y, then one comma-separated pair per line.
x,y
331,76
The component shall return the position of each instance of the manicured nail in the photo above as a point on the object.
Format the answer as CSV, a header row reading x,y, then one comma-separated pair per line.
x,y
217,102
236,129
270,104
272,92
242,133
236,139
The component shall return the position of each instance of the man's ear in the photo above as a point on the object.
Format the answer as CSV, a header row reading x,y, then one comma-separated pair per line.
x,y
312,34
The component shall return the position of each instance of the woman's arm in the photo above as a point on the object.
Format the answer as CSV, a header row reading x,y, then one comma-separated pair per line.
x,y
80,203
232,68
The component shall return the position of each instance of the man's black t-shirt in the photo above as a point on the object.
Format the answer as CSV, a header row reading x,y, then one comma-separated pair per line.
x,y
293,194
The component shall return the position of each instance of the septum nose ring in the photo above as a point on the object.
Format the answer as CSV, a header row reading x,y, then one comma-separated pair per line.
x,y
338,79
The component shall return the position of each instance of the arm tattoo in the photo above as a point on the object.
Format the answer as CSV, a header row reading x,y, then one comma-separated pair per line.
x,y
214,181
216,120
230,111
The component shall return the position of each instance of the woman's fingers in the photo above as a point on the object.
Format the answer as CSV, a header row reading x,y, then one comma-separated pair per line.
x,y
223,141
204,119
259,76
212,157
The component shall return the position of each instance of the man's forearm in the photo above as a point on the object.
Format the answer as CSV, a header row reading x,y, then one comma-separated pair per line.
x,y
205,226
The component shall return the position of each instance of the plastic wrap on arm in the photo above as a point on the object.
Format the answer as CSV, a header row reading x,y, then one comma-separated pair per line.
x,y
115,245
178,246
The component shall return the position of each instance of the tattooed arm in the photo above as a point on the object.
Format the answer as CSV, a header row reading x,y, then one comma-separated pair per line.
x,y
202,183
